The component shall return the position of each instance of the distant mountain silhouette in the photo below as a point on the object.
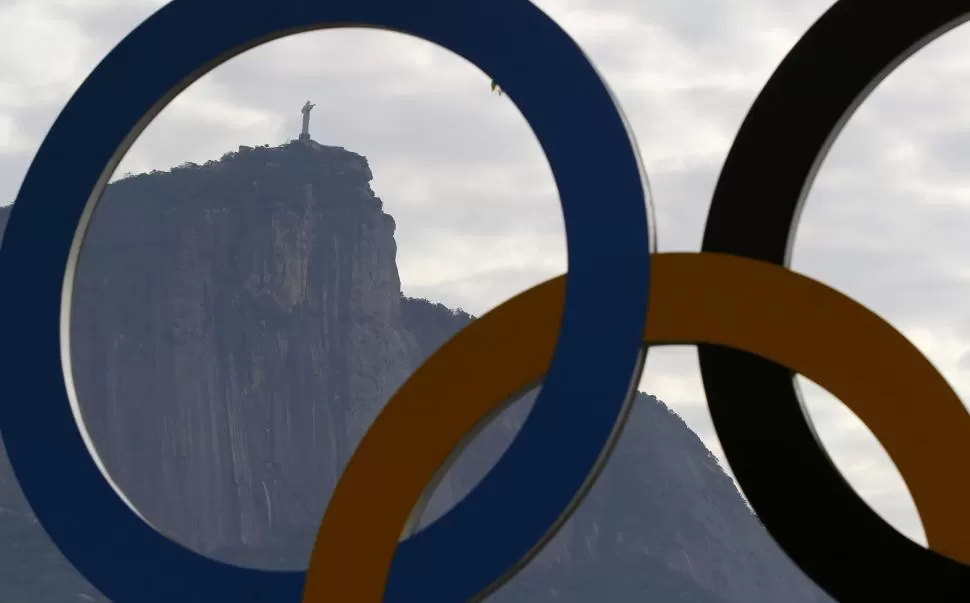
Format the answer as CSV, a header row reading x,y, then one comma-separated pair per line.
x,y
237,326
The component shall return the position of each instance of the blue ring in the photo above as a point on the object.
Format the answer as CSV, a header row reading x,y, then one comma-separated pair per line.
x,y
586,390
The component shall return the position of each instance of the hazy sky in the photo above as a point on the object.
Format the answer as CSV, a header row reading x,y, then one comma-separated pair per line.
x,y
476,207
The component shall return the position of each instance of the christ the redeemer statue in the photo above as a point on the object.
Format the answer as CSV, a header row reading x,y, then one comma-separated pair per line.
x,y
305,134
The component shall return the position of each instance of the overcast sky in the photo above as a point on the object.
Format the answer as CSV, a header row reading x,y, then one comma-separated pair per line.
x,y
476,207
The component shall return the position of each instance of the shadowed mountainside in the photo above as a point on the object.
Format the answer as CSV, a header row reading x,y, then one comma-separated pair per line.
x,y
236,327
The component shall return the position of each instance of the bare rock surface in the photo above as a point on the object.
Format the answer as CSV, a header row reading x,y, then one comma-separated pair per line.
x,y
237,326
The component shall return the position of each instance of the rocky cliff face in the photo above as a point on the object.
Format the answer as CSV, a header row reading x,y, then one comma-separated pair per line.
x,y
240,324
236,327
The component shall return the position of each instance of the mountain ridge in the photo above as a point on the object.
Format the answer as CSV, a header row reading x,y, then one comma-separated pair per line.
x,y
239,323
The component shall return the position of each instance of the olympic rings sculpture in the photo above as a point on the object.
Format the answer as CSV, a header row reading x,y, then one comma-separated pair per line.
x,y
755,323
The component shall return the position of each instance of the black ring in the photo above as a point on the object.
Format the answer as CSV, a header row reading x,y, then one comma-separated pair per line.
x,y
799,495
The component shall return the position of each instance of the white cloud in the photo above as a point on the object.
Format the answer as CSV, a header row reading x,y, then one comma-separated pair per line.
x,y
477,213
41,56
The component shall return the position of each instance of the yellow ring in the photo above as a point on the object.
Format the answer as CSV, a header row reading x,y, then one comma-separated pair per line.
x,y
695,298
